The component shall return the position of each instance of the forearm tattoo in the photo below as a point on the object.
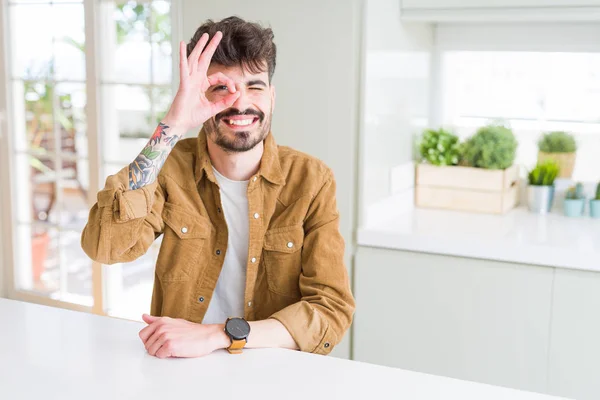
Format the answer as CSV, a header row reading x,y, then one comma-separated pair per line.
x,y
144,169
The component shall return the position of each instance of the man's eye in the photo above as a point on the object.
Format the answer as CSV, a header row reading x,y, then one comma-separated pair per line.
x,y
222,87
256,88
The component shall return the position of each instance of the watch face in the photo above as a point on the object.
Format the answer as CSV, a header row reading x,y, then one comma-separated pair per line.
x,y
237,328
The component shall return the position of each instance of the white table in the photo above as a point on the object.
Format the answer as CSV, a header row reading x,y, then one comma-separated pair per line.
x,y
48,353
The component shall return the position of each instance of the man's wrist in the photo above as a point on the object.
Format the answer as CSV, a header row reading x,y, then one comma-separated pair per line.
x,y
174,128
219,337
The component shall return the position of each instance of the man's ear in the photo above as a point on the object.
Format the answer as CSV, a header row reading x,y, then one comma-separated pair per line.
x,y
272,97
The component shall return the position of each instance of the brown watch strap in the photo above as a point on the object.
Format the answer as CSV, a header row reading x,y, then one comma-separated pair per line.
x,y
236,346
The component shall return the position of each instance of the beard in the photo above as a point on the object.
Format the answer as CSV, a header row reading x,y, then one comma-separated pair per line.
x,y
242,140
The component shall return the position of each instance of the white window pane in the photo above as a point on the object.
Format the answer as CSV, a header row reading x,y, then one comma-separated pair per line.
x,y
70,114
31,51
69,42
161,98
161,42
52,264
125,46
33,103
127,121
76,270
73,197
35,189
44,1
37,257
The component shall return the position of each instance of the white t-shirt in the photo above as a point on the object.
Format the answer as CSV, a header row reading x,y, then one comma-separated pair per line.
x,y
228,297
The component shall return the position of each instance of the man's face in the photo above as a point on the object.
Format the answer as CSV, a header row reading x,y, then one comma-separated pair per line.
x,y
248,121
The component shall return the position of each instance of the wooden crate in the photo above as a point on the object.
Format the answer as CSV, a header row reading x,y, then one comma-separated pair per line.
x,y
466,188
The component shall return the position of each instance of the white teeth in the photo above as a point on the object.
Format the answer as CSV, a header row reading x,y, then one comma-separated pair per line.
x,y
240,122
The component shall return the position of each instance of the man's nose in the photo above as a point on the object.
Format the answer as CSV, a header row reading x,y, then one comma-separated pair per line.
x,y
242,102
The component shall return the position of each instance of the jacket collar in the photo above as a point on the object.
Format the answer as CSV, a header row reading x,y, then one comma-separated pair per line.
x,y
270,168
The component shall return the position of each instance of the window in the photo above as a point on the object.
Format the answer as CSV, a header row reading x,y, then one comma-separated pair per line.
x,y
47,73
48,121
536,77
533,92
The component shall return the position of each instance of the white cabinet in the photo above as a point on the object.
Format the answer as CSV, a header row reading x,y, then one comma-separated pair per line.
x,y
574,365
500,10
444,4
469,319
521,326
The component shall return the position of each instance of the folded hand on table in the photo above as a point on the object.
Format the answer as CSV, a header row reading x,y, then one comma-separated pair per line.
x,y
168,337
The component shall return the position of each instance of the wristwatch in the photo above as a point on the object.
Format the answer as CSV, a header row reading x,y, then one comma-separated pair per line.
x,y
238,330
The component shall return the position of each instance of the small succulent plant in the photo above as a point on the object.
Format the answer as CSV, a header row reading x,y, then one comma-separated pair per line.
x,y
575,192
439,147
597,197
544,173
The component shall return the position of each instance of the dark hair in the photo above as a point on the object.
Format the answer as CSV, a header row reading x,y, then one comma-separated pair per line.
x,y
244,43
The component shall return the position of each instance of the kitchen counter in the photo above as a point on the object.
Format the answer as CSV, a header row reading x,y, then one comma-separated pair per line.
x,y
519,236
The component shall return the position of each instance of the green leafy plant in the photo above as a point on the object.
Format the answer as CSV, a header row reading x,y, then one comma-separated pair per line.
x,y
491,147
575,192
597,197
544,174
440,147
557,142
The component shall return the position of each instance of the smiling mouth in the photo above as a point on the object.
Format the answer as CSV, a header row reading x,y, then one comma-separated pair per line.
x,y
240,123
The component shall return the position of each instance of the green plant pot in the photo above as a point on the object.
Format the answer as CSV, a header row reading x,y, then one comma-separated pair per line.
x,y
595,208
574,207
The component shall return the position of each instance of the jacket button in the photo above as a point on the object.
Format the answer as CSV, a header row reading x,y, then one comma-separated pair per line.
x,y
254,179
184,230
253,259
290,245
218,252
219,210
256,215
249,304
201,299
326,345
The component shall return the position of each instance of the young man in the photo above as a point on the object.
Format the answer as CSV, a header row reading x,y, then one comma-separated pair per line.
x,y
251,254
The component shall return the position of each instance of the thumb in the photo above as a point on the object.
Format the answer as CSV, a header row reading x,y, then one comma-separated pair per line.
x,y
149,318
225,102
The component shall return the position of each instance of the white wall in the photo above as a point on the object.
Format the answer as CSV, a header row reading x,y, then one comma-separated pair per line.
x,y
2,252
4,149
317,82
396,87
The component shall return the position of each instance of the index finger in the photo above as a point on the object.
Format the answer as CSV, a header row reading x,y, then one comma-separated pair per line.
x,y
148,331
183,62
209,51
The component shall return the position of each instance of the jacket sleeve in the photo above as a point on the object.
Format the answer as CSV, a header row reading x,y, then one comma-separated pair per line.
x,y
319,320
123,223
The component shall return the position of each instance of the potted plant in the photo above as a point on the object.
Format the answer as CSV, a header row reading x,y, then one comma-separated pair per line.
x,y
439,147
540,192
561,147
475,176
492,147
595,204
574,201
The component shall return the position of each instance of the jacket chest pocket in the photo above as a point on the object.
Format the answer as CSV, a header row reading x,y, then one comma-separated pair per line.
x,y
185,237
282,257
